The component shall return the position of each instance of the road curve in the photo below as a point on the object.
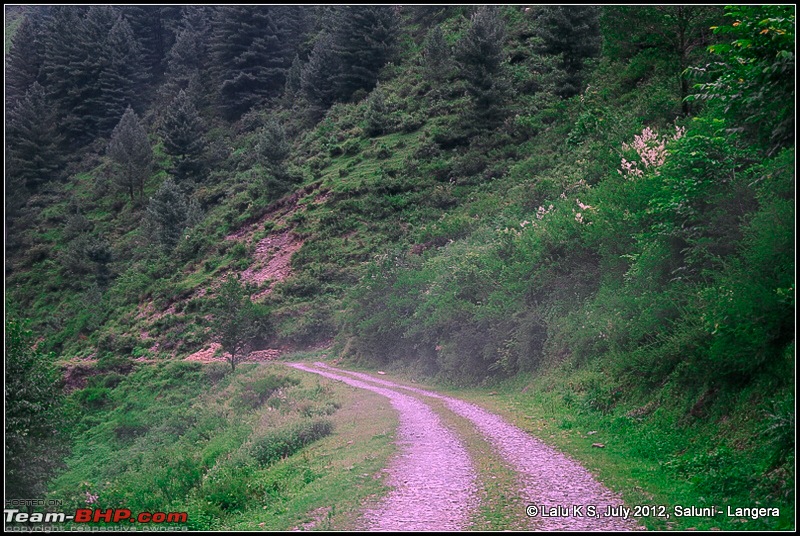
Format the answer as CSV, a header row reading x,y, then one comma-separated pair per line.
x,y
433,480
548,478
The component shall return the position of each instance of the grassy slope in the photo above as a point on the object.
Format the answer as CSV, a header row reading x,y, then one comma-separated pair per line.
x,y
186,437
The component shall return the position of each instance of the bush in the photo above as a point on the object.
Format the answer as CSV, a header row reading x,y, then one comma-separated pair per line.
x,y
229,484
254,393
128,426
93,397
284,442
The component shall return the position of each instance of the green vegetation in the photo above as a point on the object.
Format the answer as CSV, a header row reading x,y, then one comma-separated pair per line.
x,y
33,425
600,198
265,444
236,323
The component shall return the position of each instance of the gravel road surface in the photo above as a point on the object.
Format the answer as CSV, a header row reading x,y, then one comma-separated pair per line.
x,y
547,478
433,477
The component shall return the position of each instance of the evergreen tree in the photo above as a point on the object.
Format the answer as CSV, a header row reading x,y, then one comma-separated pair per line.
x,y
92,68
188,60
317,77
131,153
25,58
33,156
88,97
184,140
121,80
293,80
86,255
154,30
436,56
64,69
363,40
252,47
235,324
573,33
377,112
273,146
169,213
480,56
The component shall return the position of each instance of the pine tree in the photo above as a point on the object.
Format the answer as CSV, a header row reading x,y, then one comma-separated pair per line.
x,y
85,254
363,40
121,79
317,77
169,213
436,56
573,32
25,58
33,156
188,62
273,146
235,323
377,112
183,133
480,55
131,153
92,66
154,29
252,47
65,74
293,80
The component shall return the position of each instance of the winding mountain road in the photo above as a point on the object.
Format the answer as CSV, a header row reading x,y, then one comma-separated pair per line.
x,y
435,483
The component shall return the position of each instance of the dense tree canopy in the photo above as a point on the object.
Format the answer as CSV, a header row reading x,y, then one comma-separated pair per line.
x,y
253,47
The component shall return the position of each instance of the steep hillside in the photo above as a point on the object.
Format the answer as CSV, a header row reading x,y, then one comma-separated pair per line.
x,y
595,201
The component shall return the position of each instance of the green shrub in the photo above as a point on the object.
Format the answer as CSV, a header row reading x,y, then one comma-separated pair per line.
x,y
128,425
229,485
284,442
255,392
93,397
110,362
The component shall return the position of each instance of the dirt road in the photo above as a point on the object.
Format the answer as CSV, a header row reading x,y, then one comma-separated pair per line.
x,y
434,481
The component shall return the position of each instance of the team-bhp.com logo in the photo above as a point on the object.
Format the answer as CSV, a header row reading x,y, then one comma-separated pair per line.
x,y
95,515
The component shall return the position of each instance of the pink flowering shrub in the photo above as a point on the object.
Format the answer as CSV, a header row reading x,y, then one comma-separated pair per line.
x,y
651,150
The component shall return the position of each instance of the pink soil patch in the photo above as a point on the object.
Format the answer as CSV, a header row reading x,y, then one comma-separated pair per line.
x,y
273,254
76,375
272,261
322,198
210,355
265,355
145,310
149,312
207,355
